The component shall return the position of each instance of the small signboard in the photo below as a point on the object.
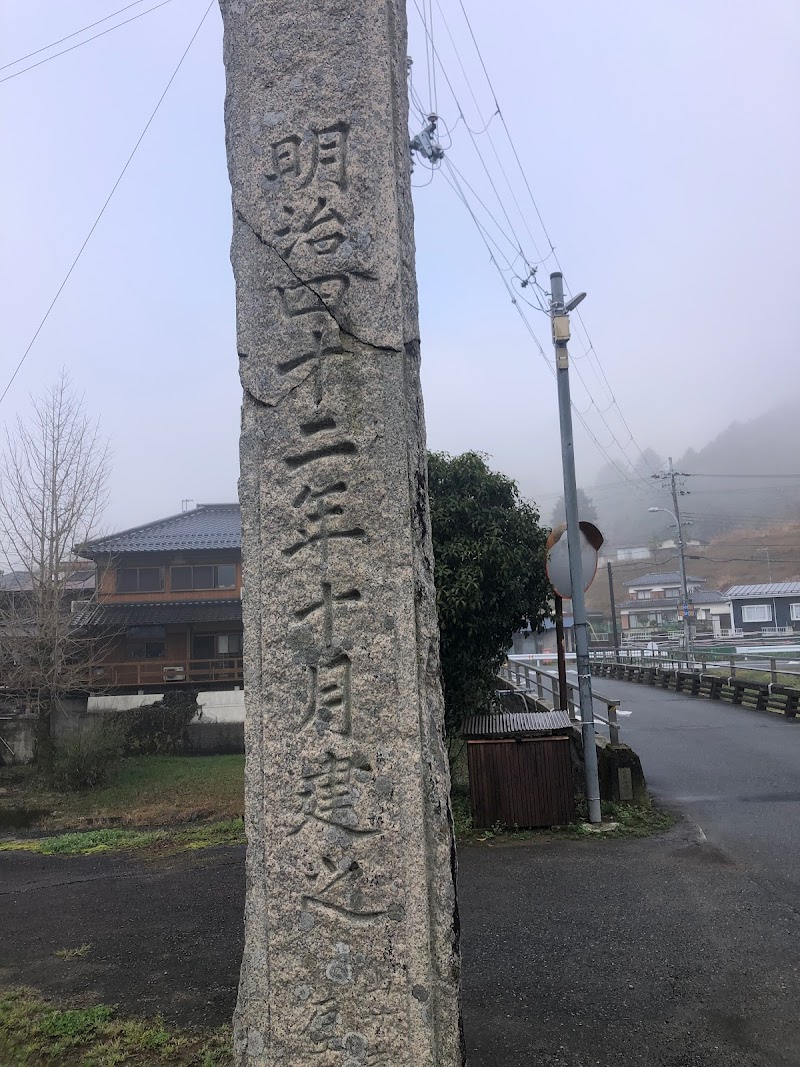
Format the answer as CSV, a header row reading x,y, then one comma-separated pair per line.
x,y
558,557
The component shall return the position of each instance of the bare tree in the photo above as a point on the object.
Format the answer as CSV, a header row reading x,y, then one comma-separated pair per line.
x,y
54,471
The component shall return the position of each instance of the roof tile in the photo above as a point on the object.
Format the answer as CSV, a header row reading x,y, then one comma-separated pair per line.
x,y
662,578
165,613
208,526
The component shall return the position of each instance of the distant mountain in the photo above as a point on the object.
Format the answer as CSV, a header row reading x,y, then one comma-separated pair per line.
x,y
767,444
759,464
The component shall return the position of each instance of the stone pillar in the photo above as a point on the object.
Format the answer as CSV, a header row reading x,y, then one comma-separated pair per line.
x,y
351,955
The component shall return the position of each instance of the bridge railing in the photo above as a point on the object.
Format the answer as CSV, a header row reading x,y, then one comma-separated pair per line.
x,y
528,679
718,680
704,661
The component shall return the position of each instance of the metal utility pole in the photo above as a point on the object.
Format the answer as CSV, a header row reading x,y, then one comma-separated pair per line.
x,y
613,609
559,318
561,655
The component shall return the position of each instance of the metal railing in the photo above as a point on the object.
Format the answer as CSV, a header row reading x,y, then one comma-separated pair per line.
x,y
703,663
543,687
713,679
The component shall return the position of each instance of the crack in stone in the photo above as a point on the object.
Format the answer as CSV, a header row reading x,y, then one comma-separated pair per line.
x,y
342,329
266,404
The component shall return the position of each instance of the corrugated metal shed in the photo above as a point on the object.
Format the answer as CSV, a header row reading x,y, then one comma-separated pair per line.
x,y
515,724
765,589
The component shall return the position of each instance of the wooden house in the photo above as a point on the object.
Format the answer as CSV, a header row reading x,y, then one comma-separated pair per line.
x,y
168,603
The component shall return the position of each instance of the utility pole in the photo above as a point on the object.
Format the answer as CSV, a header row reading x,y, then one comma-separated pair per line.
x,y
561,655
559,318
769,563
687,622
671,479
613,609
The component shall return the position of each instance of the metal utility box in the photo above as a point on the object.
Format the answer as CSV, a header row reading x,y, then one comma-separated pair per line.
x,y
520,769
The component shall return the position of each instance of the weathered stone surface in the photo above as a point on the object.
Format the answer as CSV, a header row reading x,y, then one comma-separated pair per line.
x,y
351,956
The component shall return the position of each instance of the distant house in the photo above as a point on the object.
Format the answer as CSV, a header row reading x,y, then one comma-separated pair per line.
x,y
626,554
689,542
168,606
654,602
772,606
77,583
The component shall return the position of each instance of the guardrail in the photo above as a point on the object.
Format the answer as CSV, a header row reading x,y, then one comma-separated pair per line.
x,y
702,661
543,687
695,681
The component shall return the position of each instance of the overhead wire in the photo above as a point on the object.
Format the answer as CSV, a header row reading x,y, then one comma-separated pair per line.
x,y
78,44
83,29
453,180
517,244
437,58
589,348
107,201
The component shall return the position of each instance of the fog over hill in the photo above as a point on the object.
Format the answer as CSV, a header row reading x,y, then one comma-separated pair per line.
x,y
748,476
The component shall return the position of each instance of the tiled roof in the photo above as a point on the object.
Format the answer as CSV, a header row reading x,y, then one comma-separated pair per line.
x,y
208,526
664,578
699,597
118,616
511,723
765,589
78,580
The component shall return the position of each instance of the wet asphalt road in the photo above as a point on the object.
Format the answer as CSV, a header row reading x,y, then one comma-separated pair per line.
x,y
735,772
679,950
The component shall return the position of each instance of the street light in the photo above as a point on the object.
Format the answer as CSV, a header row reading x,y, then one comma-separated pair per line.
x,y
687,626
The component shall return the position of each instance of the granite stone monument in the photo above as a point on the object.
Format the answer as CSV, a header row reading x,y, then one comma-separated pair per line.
x,y
351,929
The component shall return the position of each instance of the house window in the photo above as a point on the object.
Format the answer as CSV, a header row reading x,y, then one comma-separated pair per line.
x,y
145,642
140,579
756,613
672,592
794,612
643,594
207,576
216,646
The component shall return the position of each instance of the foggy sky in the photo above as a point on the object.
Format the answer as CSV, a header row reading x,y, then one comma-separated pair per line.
x,y
660,142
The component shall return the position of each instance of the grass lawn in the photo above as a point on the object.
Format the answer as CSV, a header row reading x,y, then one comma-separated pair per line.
x,y
144,791
36,1033
166,842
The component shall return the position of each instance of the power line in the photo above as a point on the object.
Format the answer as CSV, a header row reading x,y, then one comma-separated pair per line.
x,y
74,33
793,477
79,44
590,350
100,214
743,559
453,181
516,244
436,57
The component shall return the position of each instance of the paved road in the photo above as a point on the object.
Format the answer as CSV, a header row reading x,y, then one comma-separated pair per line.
x,y
680,950
577,953
735,772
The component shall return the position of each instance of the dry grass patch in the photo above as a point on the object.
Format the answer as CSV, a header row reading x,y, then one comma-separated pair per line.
x,y
144,791
36,1033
